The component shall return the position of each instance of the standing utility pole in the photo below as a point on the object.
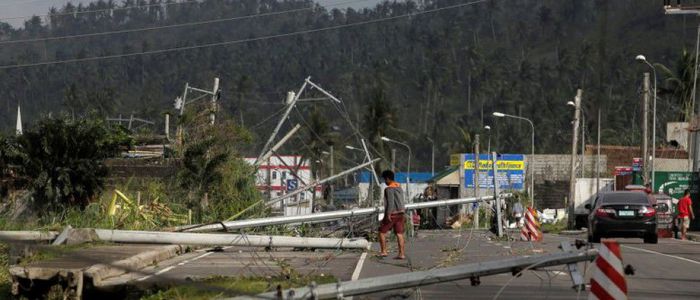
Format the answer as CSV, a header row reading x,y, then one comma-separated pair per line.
x,y
645,129
572,174
499,219
393,160
331,175
477,186
214,98
597,158
583,143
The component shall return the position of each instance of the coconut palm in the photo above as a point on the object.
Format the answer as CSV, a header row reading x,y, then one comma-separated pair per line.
x,y
678,85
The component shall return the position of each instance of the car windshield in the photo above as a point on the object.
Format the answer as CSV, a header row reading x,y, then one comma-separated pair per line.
x,y
633,198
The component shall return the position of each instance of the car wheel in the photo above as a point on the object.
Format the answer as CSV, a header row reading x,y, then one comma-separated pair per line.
x,y
594,238
651,239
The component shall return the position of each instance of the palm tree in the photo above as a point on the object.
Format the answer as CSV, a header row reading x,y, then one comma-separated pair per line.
x,y
679,84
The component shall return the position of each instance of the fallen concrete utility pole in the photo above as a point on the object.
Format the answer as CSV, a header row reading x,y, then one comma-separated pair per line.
x,y
290,105
322,181
181,238
280,143
328,216
415,279
28,235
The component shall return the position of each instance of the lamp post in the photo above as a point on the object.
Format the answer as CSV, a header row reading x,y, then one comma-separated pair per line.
x,y
488,128
643,59
408,174
532,160
408,178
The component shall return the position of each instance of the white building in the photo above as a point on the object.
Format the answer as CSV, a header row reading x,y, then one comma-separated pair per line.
x,y
283,174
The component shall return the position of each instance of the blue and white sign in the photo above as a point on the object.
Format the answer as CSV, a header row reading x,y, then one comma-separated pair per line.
x,y
511,171
292,184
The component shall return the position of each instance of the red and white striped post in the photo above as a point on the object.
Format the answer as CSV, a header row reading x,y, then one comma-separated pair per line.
x,y
608,279
531,229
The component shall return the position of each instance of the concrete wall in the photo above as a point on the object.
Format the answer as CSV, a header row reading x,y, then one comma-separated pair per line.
x,y
555,167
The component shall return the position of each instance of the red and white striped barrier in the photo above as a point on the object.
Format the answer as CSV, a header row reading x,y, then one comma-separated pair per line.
x,y
608,279
531,229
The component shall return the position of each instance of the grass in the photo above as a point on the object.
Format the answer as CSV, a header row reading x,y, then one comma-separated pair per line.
x,y
554,227
216,287
42,253
5,279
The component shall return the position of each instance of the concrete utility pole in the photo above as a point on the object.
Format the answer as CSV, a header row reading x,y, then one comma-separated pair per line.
x,y
462,179
18,127
583,143
292,99
432,156
322,216
332,169
597,157
645,129
183,238
422,278
499,219
167,127
477,186
214,99
572,175
393,160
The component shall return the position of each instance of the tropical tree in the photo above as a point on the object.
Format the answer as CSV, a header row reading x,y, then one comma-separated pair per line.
x,y
678,84
63,160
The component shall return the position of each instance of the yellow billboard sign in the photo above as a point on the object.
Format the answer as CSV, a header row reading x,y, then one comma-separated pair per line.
x,y
505,165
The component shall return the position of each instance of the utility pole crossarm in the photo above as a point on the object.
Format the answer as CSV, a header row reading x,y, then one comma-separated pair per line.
x,y
279,124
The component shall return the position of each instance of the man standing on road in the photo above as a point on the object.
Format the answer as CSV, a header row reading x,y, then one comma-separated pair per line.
x,y
394,211
685,213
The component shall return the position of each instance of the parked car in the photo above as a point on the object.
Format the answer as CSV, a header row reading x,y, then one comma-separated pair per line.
x,y
622,214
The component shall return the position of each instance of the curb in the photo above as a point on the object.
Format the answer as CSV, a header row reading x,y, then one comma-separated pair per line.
x,y
98,273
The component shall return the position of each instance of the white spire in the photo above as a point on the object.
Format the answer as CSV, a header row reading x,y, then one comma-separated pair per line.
x,y
19,121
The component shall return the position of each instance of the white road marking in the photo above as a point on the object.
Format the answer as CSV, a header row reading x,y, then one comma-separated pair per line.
x,y
164,270
173,267
663,254
358,267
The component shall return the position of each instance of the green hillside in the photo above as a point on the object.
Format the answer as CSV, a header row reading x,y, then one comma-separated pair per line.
x,y
438,73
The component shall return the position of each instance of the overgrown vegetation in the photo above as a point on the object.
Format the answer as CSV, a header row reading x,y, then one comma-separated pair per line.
x,y
61,161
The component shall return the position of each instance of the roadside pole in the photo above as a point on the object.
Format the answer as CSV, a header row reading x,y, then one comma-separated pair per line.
x,y
645,130
476,181
597,158
572,175
330,197
462,183
499,220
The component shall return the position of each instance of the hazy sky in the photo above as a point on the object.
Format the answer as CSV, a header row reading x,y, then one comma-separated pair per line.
x,y
21,8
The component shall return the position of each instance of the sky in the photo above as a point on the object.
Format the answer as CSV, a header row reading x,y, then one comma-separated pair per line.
x,y
21,8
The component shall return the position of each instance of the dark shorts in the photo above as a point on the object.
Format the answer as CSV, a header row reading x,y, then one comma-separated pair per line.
x,y
395,221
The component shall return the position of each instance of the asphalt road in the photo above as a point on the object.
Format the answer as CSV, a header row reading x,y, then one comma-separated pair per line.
x,y
668,270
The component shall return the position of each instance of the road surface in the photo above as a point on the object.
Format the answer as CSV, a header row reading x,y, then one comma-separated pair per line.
x,y
668,270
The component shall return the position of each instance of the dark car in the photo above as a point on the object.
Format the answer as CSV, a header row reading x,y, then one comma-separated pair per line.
x,y
622,214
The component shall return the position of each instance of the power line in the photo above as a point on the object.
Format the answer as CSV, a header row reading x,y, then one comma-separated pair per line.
x,y
226,43
171,26
20,2
75,13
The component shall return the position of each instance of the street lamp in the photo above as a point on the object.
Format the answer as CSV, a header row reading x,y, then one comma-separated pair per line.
x,y
488,128
643,59
532,177
408,175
